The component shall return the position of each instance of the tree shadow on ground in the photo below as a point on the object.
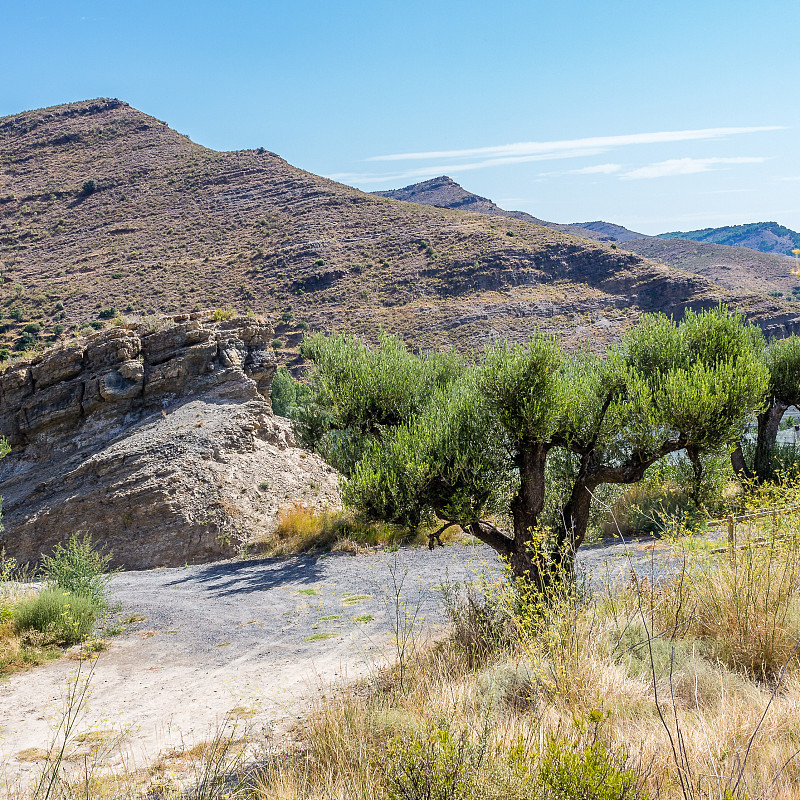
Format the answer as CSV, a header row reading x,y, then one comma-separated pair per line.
x,y
255,575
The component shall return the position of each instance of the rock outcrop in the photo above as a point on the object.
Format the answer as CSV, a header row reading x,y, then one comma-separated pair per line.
x,y
158,440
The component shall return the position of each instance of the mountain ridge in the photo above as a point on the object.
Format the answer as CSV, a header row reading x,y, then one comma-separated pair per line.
x,y
766,237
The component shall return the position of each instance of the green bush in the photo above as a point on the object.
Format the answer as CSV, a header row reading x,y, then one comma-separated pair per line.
x,y
567,772
89,187
79,568
287,393
287,316
61,616
16,314
276,343
26,341
108,313
433,766
4,353
302,326
33,327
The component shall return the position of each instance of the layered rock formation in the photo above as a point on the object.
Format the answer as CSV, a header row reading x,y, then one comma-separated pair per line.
x,y
159,440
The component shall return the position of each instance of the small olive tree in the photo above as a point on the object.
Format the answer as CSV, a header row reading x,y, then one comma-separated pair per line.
x,y
782,359
478,443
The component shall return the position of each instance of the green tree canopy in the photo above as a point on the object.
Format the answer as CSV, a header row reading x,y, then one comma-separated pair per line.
x,y
466,443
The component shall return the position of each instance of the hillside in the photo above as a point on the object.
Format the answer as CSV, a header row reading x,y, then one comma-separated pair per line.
x,y
104,209
766,237
736,268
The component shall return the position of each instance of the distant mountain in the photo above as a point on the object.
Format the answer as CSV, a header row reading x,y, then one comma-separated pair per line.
x,y
615,232
766,237
444,192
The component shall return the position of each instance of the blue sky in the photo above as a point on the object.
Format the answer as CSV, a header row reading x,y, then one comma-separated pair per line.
x,y
657,116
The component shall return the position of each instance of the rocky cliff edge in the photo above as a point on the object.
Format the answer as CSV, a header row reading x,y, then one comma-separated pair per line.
x,y
156,438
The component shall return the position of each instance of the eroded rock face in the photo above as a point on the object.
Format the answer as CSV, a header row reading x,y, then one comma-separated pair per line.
x,y
160,443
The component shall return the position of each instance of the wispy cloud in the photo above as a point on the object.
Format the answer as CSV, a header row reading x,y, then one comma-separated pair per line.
x,y
597,169
595,142
687,166
455,168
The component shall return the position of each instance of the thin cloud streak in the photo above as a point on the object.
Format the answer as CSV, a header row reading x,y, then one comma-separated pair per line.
x,y
603,142
686,166
442,169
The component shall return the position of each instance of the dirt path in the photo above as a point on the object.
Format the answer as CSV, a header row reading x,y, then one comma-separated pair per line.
x,y
256,638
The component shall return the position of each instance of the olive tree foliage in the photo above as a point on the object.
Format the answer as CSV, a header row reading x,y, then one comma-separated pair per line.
x,y
477,445
357,394
782,360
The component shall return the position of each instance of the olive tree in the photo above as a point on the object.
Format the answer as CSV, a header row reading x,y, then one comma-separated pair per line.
x,y
479,446
782,359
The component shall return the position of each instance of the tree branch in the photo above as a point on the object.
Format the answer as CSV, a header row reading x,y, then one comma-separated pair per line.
x,y
492,535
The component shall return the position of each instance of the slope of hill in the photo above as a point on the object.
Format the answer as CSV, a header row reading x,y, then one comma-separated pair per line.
x,y
104,209
736,268
444,192
766,237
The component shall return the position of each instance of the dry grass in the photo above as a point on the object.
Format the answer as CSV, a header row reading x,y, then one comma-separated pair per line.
x,y
302,528
690,689
605,671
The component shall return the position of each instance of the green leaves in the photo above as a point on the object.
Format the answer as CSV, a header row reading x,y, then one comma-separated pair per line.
x,y
450,460
782,359
525,388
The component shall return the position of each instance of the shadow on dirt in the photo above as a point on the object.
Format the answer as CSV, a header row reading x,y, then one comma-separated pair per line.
x,y
255,575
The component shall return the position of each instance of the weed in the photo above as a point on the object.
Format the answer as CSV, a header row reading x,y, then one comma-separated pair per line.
x,y
62,617
79,568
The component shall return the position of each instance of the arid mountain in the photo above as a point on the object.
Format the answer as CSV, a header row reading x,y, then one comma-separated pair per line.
x,y
104,209
616,232
444,192
735,268
766,237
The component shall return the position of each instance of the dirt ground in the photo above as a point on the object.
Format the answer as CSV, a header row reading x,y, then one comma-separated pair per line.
x,y
257,640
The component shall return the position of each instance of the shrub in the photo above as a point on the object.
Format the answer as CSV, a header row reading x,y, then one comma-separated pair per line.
x,y
26,341
33,327
16,314
320,262
79,568
108,313
432,766
276,343
59,306
287,393
58,330
61,616
4,353
592,773
302,326
222,314
287,316
89,187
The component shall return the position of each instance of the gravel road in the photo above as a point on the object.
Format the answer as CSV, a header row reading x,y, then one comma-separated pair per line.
x,y
259,638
